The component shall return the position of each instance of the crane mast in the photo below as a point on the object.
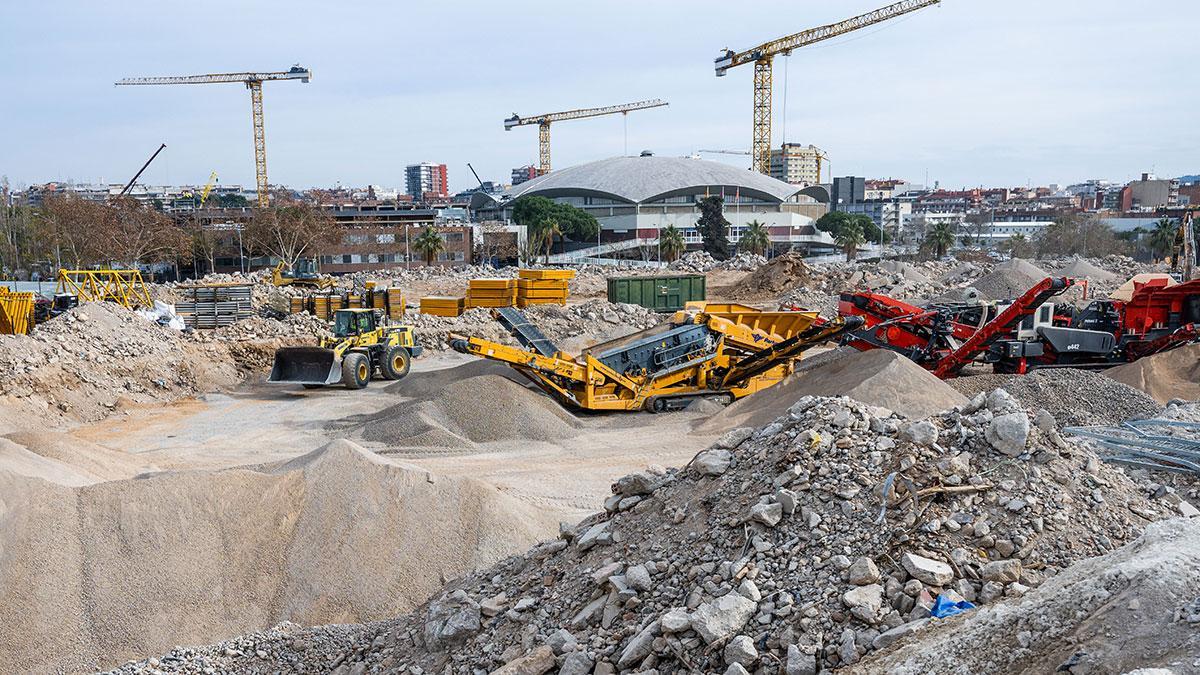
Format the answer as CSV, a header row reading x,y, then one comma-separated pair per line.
x,y
763,55
253,82
543,122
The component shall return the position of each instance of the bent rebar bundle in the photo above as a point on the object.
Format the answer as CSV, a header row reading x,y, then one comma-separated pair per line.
x,y
1137,443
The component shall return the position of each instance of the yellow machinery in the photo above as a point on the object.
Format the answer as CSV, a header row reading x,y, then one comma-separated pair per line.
x,y
543,121
707,350
253,82
359,349
303,273
763,55
124,287
16,312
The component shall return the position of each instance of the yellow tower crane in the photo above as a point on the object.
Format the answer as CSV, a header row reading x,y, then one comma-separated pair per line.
x,y
543,121
253,82
762,56
212,179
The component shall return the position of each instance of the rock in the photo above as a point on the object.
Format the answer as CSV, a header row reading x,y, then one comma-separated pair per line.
x,y
638,578
576,663
928,571
717,620
676,620
991,591
561,641
736,669
1000,401
920,433
885,639
767,514
748,589
864,572
713,462
869,597
535,662
740,650
450,620
636,483
1008,433
733,438
639,646
493,605
788,500
1003,571
799,663
595,534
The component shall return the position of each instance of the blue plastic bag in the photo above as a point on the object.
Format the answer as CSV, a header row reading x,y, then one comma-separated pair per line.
x,y
944,607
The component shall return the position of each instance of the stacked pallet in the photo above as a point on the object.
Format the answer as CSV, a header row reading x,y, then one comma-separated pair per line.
x,y
542,287
491,293
438,305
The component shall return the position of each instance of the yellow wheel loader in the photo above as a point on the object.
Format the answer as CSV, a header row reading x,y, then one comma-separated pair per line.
x,y
303,273
359,350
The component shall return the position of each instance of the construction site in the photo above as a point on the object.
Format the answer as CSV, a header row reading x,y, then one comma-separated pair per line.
x,y
768,462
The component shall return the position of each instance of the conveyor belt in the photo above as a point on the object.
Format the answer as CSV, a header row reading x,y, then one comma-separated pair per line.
x,y
526,333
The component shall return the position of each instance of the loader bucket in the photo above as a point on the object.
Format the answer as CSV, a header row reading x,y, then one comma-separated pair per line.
x,y
305,365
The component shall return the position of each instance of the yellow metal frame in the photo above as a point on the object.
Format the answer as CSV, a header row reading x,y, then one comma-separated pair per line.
x,y
16,312
124,287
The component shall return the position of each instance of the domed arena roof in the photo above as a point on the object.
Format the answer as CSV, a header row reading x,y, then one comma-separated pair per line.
x,y
638,180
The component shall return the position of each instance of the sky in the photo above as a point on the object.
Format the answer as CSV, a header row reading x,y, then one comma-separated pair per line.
x,y
966,93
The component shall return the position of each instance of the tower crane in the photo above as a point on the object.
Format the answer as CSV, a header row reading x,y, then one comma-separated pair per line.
x,y
253,82
543,121
212,179
762,56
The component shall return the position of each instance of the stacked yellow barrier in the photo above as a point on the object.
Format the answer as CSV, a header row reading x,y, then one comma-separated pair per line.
x,y
438,305
542,287
491,293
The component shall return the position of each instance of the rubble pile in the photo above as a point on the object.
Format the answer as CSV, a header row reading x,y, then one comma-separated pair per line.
x,y
303,326
805,544
702,261
1073,396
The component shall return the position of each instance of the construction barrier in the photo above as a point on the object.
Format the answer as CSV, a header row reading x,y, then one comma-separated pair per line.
x,y
390,301
16,312
543,287
442,305
124,287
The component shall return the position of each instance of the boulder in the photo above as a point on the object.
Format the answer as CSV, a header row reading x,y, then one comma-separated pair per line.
x,y
1008,433
717,620
931,572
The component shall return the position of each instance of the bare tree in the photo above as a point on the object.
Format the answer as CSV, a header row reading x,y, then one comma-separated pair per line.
x,y
290,230
133,234
74,225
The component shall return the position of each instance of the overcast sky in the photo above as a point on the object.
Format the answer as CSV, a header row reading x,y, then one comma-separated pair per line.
x,y
971,92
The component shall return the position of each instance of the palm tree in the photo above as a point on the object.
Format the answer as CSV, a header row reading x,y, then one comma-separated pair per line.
x,y
755,239
850,236
1162,238
548,228
429,244
671,243
940,238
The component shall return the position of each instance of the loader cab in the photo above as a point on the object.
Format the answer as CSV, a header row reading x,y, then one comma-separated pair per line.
x,y
348,322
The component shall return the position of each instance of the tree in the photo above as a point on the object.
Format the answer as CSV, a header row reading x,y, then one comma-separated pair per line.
x,y
290,230
72,224
671,243
1079,234
1017,246
547,229
429,244
850,236
1162,238
833,221
940,238
979,224
535,212
134,234
713,227
756,239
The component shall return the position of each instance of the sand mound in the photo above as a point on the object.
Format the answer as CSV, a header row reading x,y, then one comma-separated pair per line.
x,y
98,574
1009,280
481,409
1165,376
1082,269
425,384
781,274
877,377
1126,290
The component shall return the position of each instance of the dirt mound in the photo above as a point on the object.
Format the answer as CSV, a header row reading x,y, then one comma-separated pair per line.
x,y
427,383
1009,279
877,377
63,459
1169,375
1072,396
780,274
98,574
1082,269
481,409
1132,610
814,541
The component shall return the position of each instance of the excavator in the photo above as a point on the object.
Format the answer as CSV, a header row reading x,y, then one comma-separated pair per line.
x,y
359,349
706,350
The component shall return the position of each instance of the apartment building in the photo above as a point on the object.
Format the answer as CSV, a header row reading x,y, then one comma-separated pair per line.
x,y
797,164
426,181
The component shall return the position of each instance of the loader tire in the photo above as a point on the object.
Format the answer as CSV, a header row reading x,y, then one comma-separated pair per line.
x,y
356,371
395,363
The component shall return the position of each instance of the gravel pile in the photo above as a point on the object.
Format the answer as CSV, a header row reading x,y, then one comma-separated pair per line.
x,y
1009,279
702,261
598,318
1072,396
806,544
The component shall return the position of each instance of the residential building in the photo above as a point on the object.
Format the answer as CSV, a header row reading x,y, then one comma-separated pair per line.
x,y
524,173
797,164
1152,193
426,181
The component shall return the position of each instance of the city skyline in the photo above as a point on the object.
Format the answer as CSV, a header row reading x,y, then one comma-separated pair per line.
x,y
973,94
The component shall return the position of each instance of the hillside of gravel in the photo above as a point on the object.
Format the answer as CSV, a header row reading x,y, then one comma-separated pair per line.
x,y
809,542
1170,375
137,566
1133,610
1071,395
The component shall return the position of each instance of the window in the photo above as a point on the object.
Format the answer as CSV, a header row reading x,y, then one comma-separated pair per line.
x,y
389,238
356,238
326,260
452,236
372,258
346,259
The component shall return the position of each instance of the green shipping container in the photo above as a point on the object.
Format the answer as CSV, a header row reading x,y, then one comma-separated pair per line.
x,y
662,294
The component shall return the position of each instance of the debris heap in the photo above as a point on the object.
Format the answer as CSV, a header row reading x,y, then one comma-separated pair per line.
x,y
808,543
